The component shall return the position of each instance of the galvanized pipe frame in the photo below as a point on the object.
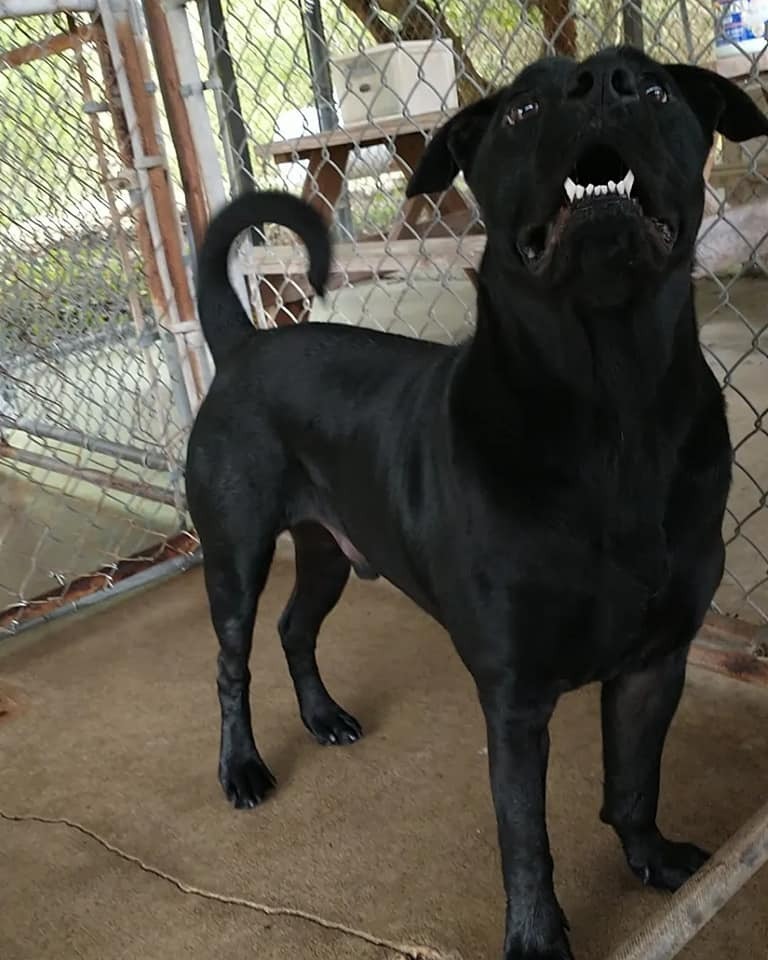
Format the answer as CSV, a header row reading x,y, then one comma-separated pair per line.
x,y
153,564
73,40
98,478
147,233
125,44
183,93
13,9
152,459
170,282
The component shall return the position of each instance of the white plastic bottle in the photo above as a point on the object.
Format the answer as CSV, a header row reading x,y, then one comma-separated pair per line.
x,y
742,27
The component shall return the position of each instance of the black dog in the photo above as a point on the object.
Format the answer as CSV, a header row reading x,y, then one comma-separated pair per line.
x,y
551,491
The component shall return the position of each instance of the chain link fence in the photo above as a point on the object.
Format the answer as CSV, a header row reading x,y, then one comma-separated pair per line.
x,y
335,100
93,418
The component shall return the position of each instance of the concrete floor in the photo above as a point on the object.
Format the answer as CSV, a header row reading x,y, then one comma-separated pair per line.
x,y
111,726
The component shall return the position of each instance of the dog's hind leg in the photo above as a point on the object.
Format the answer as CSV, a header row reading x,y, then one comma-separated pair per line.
x,y
235,573
637,711
322,571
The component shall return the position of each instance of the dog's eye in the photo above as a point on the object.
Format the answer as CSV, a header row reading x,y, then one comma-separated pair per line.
x,y
523,111
656,92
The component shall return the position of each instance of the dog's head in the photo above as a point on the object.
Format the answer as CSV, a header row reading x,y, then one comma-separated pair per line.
x,y
591,173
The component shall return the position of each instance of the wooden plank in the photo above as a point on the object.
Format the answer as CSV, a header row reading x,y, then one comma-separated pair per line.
x,y
757,168
372,257
364,134
677,921
48,47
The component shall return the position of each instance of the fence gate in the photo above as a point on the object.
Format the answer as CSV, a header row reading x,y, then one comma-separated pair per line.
x,y
98,381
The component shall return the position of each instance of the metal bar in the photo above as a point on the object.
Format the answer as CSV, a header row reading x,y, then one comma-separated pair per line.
x,y
78,438
41,8
705,894
23,617
98,478
134,84
178,121
319,59
632,23
46,47
147,232
132,295
686,22
231,110
153,260
196,108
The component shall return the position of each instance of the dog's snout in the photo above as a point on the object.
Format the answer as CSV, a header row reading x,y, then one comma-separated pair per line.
x,y
620,85
608,84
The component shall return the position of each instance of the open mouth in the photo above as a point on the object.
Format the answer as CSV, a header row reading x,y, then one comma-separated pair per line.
x,y
600,183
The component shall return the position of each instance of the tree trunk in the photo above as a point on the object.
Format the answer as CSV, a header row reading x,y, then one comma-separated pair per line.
x,y
559,26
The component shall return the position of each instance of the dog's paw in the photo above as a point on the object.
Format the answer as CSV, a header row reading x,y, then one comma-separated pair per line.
x,y
246,781
333,726
552,946
664,864
559,951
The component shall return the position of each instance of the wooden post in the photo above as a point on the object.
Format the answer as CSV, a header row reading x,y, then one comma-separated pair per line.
x,y
703,896
178,121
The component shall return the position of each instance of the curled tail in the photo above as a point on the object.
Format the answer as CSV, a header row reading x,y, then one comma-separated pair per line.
x,y
225,324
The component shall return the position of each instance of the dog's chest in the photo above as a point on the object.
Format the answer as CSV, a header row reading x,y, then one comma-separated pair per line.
x,y
594,562
615,506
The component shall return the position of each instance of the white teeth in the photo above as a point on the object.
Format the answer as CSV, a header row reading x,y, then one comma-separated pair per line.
x,y
575,191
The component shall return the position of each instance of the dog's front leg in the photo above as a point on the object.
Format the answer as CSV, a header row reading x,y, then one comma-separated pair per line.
x,y
637,711
518,750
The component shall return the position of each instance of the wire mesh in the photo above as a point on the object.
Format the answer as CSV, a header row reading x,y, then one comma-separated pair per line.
x,y
334,100
397,69
90,430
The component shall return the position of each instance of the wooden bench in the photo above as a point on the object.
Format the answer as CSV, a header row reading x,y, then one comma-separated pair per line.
x,y
409,243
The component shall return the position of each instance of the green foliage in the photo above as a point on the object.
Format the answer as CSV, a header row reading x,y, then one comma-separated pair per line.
x,y
60,270
66,290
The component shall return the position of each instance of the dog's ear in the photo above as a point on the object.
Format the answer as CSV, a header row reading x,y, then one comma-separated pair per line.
x,y
719,104
452,148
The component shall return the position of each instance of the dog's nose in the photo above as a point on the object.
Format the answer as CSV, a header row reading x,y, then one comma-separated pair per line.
x,y
604,84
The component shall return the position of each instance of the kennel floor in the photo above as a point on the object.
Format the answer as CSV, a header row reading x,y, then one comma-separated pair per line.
x,y
364,852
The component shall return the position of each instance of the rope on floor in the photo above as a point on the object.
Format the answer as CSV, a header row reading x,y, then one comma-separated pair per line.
x,y
401,951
